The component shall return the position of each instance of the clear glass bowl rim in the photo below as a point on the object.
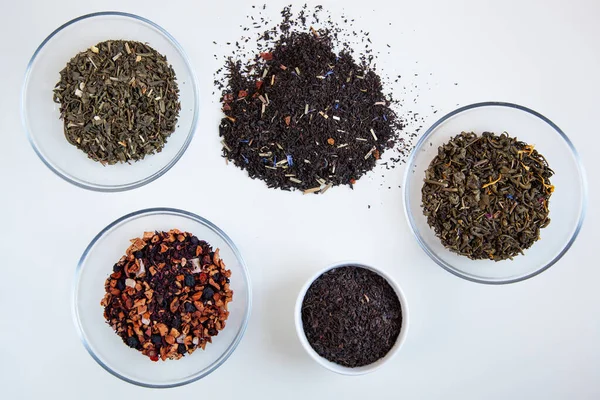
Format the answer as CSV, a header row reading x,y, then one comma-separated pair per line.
x,y
182,213
421,143
128,186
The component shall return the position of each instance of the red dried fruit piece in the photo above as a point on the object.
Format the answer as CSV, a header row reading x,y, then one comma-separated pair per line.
x,y
352,181
287,120
242,94
226,107
203,277
266,56
228,98
258,85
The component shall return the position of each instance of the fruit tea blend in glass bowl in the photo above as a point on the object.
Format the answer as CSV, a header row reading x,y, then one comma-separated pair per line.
x,y
168,295
495,192
160,306
351,318
109,101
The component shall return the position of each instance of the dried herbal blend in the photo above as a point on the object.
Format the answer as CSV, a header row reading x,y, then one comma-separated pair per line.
x,y
302,115
168,295
487,196
351,316
119,101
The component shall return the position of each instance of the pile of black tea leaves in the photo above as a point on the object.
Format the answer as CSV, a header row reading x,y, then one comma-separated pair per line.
x,y
299,114
351,316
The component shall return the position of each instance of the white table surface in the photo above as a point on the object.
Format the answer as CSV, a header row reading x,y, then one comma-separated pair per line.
x,y
538,339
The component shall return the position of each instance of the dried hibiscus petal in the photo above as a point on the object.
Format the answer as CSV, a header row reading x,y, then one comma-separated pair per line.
x,y
266,56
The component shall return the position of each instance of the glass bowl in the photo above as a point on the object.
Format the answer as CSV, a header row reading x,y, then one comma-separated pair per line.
x,y
567,205
107,348
40,114
340,369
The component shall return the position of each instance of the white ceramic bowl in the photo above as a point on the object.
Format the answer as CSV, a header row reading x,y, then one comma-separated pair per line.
x,y
336,367
40,114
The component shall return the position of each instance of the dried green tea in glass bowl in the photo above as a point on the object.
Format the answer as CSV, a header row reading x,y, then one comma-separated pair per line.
x,y
486,196
119,101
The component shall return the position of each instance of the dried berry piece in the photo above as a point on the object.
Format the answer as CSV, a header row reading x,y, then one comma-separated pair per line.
x,y
133,341
189,280
208,293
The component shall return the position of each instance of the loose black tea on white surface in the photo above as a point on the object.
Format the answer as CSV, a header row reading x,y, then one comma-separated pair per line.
x,y
486,196
119,101
351,316
304,113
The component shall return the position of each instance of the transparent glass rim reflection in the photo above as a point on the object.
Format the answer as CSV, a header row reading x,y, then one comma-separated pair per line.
x,y
407,202
89,185
161,211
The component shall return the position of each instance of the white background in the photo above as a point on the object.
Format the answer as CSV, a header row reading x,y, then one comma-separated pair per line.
x,y
537,339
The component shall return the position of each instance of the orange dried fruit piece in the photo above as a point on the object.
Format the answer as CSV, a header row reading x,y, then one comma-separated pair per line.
x,y
148,235
162,329
174,305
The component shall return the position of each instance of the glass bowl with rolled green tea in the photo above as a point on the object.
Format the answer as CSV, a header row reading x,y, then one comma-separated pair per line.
x,y
109,101
495,193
